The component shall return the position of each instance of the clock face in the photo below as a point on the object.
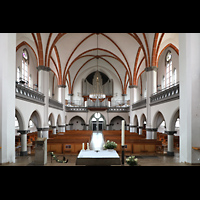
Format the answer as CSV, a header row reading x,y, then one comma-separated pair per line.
x,y
169,56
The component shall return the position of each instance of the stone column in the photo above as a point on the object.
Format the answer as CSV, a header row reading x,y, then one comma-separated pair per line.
x,y
61,128
154,133
140,129
61,99
135,129
107,127
7,96
151,88
131,128
43,132
54,130
24,133
43,87
170,139
189,62
127,127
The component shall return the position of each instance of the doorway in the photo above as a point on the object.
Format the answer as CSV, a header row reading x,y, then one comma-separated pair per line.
x,y
97,122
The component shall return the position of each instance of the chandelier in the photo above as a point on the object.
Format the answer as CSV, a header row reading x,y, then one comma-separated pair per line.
x,y
97,86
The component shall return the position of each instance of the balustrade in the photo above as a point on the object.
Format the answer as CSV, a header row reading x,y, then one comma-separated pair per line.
x,y
168,94
55,104
28,94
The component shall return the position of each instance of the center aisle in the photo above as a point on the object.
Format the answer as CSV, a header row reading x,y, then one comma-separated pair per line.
x,y
97,140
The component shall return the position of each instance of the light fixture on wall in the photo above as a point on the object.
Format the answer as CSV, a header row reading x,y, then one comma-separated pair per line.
x,y
97,87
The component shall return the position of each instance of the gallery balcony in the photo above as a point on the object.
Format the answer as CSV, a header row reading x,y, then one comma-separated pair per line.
x,y
26,93
170,93
80,106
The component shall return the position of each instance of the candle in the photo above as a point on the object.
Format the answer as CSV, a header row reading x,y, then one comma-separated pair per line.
x,y
83,146
123,135
88,148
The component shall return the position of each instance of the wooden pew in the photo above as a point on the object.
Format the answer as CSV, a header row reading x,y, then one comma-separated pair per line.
x,y
68,142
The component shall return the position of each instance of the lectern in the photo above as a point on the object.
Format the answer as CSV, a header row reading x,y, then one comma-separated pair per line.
x,y
41,151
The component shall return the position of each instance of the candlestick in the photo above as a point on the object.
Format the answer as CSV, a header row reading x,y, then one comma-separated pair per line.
x,y
122,134
88,147
83,146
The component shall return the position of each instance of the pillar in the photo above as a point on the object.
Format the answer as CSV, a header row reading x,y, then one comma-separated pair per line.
x,y
54,129
61,99
107,127
151,88
154,133
24,133
170,140
140,129
70,98
43,133
131,128
189,62
135,129
43,87
7,96
61,128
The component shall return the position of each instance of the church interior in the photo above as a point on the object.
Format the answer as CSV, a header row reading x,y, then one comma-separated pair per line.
x,y
64,93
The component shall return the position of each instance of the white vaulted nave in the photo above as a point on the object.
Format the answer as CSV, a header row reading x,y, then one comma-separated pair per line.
x,y
73,91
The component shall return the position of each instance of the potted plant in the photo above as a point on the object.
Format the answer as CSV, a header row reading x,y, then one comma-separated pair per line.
x,y
110,145
132,161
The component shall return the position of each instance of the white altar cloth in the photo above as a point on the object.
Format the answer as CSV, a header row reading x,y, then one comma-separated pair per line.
x,y
99,154
100,158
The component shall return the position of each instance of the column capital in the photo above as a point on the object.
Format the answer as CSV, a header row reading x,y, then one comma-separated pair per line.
x,y
23,131
132,86
170,132
44,68
43,129
152,68
61,86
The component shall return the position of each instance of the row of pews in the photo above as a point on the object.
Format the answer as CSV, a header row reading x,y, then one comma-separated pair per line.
x,y
134,143
68,141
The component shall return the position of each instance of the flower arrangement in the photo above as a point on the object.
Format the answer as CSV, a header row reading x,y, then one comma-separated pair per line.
x,y
57,160
110,145
132,161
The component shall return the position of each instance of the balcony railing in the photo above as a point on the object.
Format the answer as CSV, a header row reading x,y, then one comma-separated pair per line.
x,y
167,94
139,104
55,104
29,94
118,109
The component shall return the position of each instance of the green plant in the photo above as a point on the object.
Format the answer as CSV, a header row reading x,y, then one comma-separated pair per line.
x,y
132,161
110,145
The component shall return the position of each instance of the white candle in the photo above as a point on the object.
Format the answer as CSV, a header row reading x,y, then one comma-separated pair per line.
x,y
123,135
83,146
88,148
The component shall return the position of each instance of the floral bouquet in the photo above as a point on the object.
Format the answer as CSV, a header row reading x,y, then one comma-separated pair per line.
x,y
110,145
132,161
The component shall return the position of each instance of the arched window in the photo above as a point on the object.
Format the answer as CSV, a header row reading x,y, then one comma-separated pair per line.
x,y
25,63
168,69
18,74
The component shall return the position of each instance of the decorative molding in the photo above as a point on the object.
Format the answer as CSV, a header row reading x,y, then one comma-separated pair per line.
x,y
44,68
152,68
43,129
23,131
61,86
132,86
170,132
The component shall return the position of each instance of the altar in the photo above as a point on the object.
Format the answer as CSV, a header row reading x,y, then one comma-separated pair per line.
x,y
98,158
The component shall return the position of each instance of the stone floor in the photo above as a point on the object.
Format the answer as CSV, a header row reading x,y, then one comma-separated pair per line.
x,y
145,160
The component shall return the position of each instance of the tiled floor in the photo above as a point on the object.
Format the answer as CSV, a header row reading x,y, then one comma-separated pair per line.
x,y
142,161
